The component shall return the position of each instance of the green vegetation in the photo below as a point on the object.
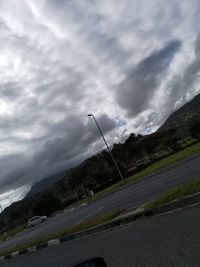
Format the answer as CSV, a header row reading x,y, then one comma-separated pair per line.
x,y
194,127
176,193
183,154
12,232
69,230
188,142
98,174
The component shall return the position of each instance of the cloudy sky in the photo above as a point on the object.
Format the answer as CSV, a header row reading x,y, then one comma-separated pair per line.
x,y
129,62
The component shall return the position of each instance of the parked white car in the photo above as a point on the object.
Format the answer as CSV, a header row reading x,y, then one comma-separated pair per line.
x,y
36,220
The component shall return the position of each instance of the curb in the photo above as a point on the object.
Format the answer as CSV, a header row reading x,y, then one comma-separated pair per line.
x,y
177,204
138,213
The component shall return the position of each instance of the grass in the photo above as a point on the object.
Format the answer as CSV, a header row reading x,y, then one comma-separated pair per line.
x,y
171,194
12,232
189,142
183,154
175,193
69,230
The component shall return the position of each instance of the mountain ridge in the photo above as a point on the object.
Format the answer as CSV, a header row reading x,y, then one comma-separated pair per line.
x,y
182,115
44,184
192,107
97,172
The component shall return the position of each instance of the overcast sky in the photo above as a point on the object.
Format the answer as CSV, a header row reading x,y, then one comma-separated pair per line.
x,y
129,62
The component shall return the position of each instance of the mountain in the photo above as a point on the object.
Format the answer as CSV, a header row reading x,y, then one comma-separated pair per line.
x,y
97,172
180,118
45,184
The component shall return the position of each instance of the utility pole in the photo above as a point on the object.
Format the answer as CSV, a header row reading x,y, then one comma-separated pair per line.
x,y
109,151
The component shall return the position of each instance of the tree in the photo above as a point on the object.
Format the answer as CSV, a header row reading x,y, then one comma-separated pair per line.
x,y
172,142
45,205
194,128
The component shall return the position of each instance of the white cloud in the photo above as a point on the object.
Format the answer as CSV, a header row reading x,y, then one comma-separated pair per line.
x,y
62,59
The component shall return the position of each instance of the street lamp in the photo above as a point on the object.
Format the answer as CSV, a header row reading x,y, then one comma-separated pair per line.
x,y
114,161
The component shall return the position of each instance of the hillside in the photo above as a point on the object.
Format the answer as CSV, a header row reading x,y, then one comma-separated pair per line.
x,y
181,117
45,184
97,172
178,119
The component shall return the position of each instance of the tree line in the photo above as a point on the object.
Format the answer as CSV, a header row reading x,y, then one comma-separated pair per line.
x,y
98,172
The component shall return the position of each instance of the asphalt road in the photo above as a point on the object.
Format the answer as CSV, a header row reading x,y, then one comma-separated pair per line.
x,y
170,240
127,197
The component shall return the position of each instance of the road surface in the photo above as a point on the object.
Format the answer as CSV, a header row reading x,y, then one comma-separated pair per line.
x,y
127,197
170,240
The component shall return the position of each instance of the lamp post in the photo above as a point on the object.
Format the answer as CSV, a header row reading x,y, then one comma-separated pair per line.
x,y
109,151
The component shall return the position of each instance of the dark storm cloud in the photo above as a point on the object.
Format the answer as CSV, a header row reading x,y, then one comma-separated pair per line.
x,y
181,85
60,60
178,90
75,138
17,175
15,170
73,141
140,84
106,124
58,93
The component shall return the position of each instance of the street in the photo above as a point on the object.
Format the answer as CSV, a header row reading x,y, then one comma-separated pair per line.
x,y
168,240
128,196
